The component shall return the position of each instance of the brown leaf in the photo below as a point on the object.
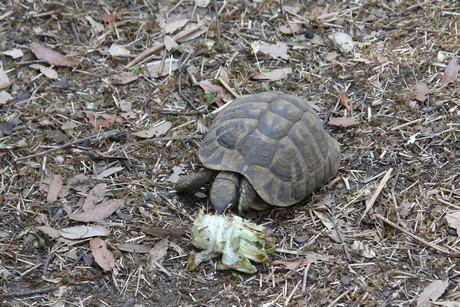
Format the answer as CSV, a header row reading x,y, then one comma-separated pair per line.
x,y
99,212
109,20
154,131
274,75
52,57
421,91
157,253
170,43
292,265
345,101
123,78
94,196
278,50
165,232
451,72
101,254
432,292
153,69
47,71
343,121
54,188
100,120
177,171
4,80
83,232
210,87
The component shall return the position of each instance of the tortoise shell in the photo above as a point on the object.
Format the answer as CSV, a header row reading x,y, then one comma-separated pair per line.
x,y
277,142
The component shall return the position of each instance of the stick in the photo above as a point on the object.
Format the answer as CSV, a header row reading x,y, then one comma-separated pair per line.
x,y
376,193
424,242
103,135
28,292
160,46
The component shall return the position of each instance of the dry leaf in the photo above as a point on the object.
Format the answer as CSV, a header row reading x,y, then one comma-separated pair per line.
x,y
278,50
157,253
290,28
52,57
274,75
100,120
343,41
175,25
101,254
209,87
109,20
134,248
165,232
123,78
99,212
94,196
451,72
202,3
5,97
421,91
54,188
83,232
324,219
4,80
154,131
119,51
331,56
177,171
345,101
97,27
47,71
292,265
432,292
343,121
53,233
14,53
153,69
110,171
170,43
363,249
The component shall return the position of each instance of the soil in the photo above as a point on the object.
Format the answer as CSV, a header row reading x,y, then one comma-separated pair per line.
x,y
384,231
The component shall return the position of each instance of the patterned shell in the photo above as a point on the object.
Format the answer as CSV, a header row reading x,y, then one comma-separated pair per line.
x,y
277,142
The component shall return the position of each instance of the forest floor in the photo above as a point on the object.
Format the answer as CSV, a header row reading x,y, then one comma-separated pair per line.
x,y
92,142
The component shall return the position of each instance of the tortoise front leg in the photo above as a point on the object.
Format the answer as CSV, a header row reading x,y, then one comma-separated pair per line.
x,y
192,182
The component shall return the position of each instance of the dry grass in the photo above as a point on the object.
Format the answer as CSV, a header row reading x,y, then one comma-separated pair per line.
x,y
377,234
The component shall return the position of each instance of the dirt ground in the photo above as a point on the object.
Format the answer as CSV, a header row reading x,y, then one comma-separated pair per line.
x,y
127,108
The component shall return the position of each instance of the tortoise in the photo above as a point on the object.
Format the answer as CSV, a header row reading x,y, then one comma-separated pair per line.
x,y
269,145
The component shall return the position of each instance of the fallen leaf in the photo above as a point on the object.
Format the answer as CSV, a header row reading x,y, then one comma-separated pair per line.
x,y
99,212
100,120
345,101
210,87
331,56
97,27
274,75
177,171
109,172
325,219
47,71
421,91
14,53
125,105
153,69
101,254
109,20
363,249
94,196
170,43
157,253
123,78
451,72
134,248
4,80
343,121
453,219
83,232
165,232
5,97
116,50
292,265
432,292
202,3
53,233
343,41
278,50
54,188
52,57
290,28
175,25
154,131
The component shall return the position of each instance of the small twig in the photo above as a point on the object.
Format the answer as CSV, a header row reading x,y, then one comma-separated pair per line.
x,y
377,191
160,46
228,88
164,138
338,298
28,292
100,136
216,9
417,238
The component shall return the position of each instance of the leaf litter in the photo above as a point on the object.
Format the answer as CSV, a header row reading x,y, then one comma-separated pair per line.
x,y
388,122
